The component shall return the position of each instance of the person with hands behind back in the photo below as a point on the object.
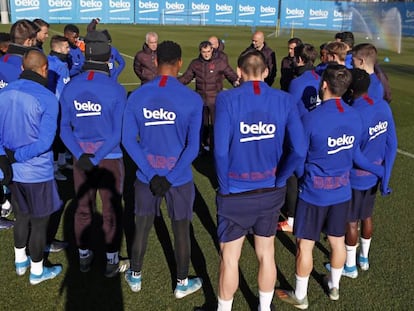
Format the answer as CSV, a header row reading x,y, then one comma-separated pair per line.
x,y
92,105
161,134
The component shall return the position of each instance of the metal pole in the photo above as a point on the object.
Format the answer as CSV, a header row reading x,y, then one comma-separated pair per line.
x,y
4,13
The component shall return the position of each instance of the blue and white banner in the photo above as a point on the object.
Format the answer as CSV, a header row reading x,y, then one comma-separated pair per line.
x,y
312,14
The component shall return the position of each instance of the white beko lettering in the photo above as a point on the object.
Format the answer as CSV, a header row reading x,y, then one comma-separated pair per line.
x,y
148,5
378,129
119,4
341,143
263,130
87,109
161,116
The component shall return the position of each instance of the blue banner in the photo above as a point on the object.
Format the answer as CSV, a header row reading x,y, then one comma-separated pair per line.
x,y
371,18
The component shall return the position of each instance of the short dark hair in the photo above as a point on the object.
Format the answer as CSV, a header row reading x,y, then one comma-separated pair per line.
x,y
295,40
71,28
306,52
338,78
22,30
366,51
348,38
204,44
168,52
360,82
4,37
40,23
339,35
56,40
252,62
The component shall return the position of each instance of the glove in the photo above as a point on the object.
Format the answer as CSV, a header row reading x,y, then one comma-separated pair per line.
x,y
5,166
84,162
10,155
159,185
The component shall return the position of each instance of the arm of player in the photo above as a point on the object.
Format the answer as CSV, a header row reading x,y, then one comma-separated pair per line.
x,y
222,144
46,134
130,139
295,136
120,60
193,141
390,155
112,141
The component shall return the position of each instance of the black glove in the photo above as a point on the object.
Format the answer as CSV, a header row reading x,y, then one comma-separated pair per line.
x,y
10,155
159,185
84,162
5,166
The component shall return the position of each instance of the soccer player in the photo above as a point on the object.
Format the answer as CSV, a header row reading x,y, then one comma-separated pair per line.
x,y
116,61
4,42
209,74
166,116
218,48
333,134
288,65
337,52
253,120
304,90
145,61
28,119
258,43
364,57
379,145
92,105
42,32
76,57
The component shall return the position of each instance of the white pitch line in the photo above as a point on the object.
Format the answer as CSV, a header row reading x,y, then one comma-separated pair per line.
x,y
405,153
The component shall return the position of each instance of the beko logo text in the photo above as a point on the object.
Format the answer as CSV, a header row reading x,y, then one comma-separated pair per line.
x,y
224,7
378,129
120,4
267,9
60,3
318,13
91,4
410,14
87,109
247,8
295,12
200,6
263,129
164,116
342,14
344,142
148,5
174,6
27,2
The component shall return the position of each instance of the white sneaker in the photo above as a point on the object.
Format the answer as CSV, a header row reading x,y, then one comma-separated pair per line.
x,y
6,209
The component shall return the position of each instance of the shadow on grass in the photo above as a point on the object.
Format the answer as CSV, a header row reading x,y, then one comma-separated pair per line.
x,y
90,290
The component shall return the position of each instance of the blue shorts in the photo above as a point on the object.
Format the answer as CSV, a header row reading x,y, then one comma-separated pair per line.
x,y
362,205
180,201
36,199
311,220
241,214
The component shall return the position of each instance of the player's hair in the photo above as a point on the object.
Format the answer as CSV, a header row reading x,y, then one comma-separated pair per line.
x,y
69,28
168,52
204,44
366,51
252,62
337,48
40,23
295,40
360,82
348,38
338,78
57,40
4,37
150,34
339,36
33,59
22,30
306,52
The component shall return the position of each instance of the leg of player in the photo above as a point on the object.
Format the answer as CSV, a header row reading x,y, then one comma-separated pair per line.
x,y
338,257
229,272
266,279
366,236
351,239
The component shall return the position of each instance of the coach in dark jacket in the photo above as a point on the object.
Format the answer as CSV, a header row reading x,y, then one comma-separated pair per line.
x,y
145,66
258,43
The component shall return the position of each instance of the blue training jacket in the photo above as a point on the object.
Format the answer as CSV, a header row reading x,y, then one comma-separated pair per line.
x,y
58,75
28,121
116,58
92,105
378,143
161,130
333,136
10,69
75,61
250,128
